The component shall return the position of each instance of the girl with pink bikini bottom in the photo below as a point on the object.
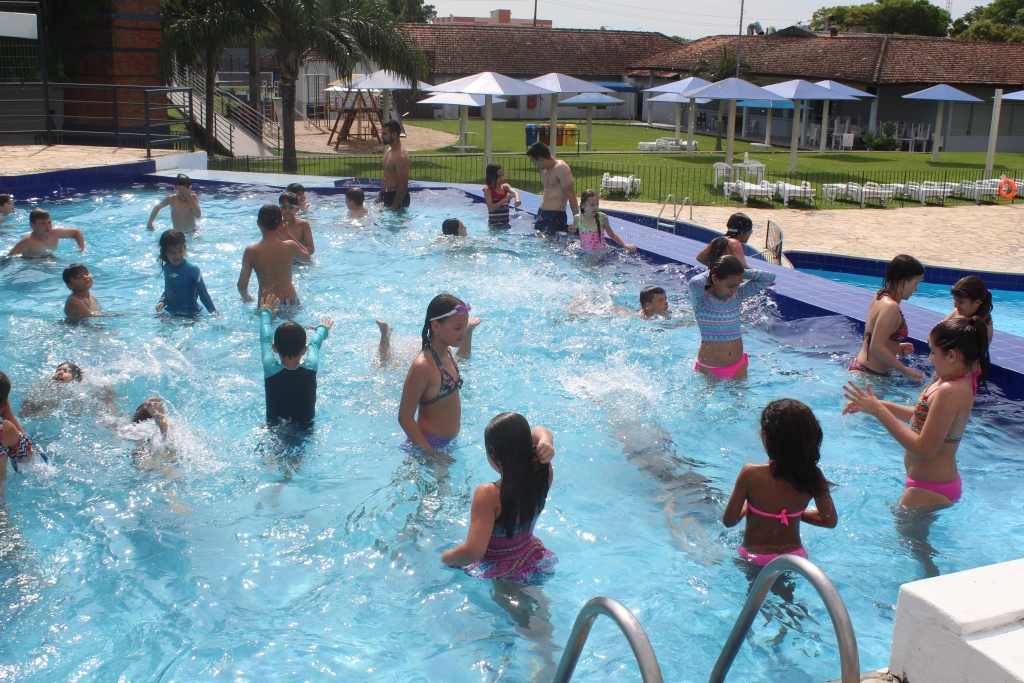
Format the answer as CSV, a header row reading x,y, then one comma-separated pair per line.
x,y
959,351
789,480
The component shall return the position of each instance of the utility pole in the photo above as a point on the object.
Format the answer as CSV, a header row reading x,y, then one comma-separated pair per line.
x,y
739,40
535,13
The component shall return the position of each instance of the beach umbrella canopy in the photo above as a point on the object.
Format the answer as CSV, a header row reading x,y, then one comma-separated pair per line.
x,y
558,83
1015,96
680,99
733,89
677,98
765,104
799,90
680,87
460,99
941,93
386,80
845,89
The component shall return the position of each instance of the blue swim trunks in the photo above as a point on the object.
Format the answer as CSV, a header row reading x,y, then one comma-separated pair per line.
x,y
549,220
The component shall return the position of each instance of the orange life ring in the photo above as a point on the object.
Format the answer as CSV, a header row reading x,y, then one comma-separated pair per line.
x,y
1007,183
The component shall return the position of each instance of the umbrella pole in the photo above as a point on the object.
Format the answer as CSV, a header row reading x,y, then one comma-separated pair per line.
x,y
554,125
679,119
590,125
690,119
938,132
768,129
385,98
824,128
463,128
993,133
488,106
795,135
730,138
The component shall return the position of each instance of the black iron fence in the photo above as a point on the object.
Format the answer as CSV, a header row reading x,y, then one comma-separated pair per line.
x,y
656,182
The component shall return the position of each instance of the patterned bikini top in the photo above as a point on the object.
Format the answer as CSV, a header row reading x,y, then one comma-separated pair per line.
x,y
449,385
921,407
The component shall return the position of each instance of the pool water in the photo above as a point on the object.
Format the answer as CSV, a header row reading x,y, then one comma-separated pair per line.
x,y
252,558
1007,305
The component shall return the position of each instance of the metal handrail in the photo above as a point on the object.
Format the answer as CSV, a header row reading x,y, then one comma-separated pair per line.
x,y
687,200
848,657
675,212
650,672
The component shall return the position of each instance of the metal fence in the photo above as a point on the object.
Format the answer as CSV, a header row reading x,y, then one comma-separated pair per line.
x,y
656,181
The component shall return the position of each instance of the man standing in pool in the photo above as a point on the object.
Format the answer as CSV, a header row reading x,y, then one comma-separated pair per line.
x,y
272,259
394,188
556,177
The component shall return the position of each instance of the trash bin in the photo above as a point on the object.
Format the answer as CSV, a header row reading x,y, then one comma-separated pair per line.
x,y
531,134
559,136
572,135
545,134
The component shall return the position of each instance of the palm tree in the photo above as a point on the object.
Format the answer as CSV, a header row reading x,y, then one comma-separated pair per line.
x,y
725,68
341,32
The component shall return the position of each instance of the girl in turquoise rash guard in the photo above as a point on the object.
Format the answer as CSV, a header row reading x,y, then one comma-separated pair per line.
x,y
183,283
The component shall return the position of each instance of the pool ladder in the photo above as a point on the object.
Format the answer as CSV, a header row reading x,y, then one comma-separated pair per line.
x,y
663,223
650,671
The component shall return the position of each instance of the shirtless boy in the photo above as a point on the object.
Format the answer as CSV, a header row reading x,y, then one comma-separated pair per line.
x,y
43,239
300,192
81,303
6,206
184,206
653,302
272,259
354,198
394,188
556,177
295,228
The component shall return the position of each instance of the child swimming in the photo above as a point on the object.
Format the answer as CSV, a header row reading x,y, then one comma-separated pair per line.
x,y
959,351
80,303
971,298
498,194
14,443
354,198
453,227
433,381
738,230
593,225
500,543
765,494
885,331
183,283
6,206
272,260
295,228
717,297
44,238
184,206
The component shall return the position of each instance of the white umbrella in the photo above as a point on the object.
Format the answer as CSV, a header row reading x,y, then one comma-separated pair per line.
x,y
680,100
798,91
464,102
681,88
590,100
556,83
942,93
489,84
385,81
733,89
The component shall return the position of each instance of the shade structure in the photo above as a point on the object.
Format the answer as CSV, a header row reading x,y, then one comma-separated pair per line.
x,y
590,100
489,84
385,81
800,90
733,89
765,104
680,87
845,89
558,83
941,93
464,102
680,99
1015,96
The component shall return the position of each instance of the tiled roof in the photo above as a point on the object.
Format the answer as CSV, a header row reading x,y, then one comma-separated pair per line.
x,y
871,59
527,51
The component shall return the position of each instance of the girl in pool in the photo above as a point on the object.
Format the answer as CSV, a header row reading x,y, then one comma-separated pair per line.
x,y
183,283
971,299
498,194
959,350
593,226
885,332
433,381
738,230
500,543
717,297
14,443
765,494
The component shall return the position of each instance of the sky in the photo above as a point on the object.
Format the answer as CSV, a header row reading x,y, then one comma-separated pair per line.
x,y
685,18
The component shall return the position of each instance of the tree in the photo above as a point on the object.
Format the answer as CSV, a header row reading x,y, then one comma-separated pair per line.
x,y
341,32
1000,22
904,17
411,11
725,68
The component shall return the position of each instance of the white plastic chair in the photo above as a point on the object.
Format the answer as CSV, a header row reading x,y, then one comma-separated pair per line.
x,y
618,183
929,189
848,141
789,191
647,146
924,134
870,190
764,190
722,171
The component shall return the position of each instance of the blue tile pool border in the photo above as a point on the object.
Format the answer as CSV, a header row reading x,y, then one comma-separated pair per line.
x,y
38,185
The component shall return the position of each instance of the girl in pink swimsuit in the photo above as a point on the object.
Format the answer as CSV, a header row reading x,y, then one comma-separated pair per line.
x,y
593,226
776,493
959,351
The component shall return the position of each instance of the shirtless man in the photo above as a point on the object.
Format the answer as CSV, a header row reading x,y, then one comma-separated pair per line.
x,y
43,239
556,177
295,228
272,259
184,206
394,189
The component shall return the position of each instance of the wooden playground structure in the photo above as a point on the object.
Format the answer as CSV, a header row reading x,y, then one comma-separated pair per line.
x,y
357,117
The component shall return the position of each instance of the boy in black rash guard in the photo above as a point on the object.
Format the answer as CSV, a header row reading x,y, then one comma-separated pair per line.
x,y
291,383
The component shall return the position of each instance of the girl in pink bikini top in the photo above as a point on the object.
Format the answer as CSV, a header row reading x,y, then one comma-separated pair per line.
x,y
782,487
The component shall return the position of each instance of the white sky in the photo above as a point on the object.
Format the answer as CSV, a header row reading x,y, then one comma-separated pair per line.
x,y
686,18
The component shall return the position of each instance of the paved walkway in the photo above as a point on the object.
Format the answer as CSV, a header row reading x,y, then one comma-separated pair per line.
x,y
24,159
987,238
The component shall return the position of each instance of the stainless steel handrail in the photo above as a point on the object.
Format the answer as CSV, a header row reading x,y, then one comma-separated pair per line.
x,y
650,672
848,657
687,200
675,212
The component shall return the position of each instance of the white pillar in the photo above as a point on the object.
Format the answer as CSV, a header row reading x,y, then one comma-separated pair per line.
x,y
731,132
488,107
803,123
873,115
794,139
590,125
385,100
690,120
554,124
679,119
463,128
993,133
768,128
743,128
823,135
938,132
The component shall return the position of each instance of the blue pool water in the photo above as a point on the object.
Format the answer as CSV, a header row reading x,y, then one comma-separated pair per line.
x,y
249,560
1007,305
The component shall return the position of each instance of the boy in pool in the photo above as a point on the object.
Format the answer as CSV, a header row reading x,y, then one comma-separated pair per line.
x,y
300,193
272,259
354,198
81,303
653,302
295,228
291,382
453,226
6,206
184,206
43,239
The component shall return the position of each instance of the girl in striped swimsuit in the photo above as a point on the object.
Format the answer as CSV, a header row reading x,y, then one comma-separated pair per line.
x,y
717,299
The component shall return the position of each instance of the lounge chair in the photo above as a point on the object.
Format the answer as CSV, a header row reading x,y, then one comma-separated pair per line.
x,y
667,144
618,183
870,190
745,190
722,171
976,189
929,188
789,191
647,146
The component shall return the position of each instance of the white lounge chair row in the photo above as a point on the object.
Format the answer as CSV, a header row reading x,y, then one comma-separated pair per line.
x,y
618,183
766,190
920,192
665,145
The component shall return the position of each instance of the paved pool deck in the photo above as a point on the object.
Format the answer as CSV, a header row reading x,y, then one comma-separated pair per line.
x,y
24,159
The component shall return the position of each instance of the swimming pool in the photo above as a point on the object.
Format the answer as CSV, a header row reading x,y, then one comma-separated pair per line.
x,y
322,563
1007,311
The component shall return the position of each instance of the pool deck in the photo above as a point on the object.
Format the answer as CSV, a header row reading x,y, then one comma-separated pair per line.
x,y
25,159
983,238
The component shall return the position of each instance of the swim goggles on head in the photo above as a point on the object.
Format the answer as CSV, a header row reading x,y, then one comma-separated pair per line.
x,y
458,310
